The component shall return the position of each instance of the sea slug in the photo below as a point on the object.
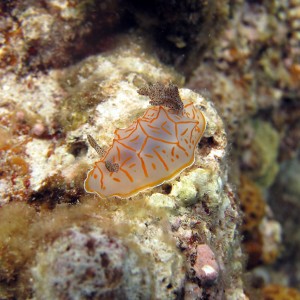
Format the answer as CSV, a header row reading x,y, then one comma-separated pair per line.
x,y
152,150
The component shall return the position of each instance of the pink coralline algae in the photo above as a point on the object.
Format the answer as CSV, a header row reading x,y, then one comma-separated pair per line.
x,y
206,266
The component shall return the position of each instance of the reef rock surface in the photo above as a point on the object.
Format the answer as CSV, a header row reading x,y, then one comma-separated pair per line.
x,y
148,246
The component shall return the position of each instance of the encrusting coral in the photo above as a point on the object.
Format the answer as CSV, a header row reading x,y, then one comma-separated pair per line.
x,y
279,292
262,235
252,204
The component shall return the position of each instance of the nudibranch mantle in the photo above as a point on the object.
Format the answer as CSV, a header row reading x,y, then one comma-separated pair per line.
x,y
152,150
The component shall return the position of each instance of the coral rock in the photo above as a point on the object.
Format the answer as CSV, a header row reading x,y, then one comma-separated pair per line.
x,y
87,263
164,224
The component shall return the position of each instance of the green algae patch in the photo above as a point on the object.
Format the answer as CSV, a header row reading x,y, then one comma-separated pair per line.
x,y
76,108
265,149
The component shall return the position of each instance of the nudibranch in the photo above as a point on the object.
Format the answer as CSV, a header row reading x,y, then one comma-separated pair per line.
x,y
152,150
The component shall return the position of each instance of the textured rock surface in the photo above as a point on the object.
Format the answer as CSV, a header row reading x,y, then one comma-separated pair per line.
x,y
86,263
166,223
251,75
42,34
38,35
